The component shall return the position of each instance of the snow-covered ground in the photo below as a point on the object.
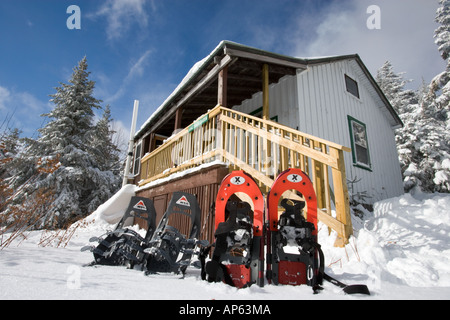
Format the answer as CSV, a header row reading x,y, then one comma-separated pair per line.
x,y
401,251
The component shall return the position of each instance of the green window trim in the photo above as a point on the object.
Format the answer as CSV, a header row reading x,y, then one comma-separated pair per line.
x,y
259,110
359,143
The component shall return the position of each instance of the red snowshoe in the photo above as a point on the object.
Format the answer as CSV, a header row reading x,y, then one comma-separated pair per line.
x,y
294,256
238,257
292,252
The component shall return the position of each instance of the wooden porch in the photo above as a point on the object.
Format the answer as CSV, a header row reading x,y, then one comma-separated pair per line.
x,y
263,148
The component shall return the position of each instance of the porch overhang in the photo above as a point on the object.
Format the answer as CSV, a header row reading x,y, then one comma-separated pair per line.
x,y
201,89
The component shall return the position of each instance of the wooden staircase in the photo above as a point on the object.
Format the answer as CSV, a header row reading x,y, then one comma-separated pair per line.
x,y
263,149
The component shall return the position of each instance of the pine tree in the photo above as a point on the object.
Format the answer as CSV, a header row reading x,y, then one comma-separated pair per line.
x,y
436,106
9,144
393,86
424,141
106,156
63,165
105,151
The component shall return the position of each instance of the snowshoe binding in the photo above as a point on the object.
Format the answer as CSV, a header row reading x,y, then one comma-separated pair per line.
x,y
123,246
176,237
238,256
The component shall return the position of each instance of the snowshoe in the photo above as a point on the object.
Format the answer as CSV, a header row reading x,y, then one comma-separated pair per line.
x,y
123,246
174,241
292,253
238,256
294,257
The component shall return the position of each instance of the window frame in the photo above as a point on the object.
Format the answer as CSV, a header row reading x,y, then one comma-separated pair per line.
x,y
355,144
350,80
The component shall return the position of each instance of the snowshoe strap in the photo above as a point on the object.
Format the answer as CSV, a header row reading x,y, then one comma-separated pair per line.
x,y
214,270
348,289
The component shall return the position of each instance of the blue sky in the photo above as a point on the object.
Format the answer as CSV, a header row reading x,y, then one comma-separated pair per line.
x,y
141,49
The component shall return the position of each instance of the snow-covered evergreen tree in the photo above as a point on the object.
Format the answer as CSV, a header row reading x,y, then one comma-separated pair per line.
x,y
9,143
64,162
393,86
424,141
440,85
436,105
106,156
105,151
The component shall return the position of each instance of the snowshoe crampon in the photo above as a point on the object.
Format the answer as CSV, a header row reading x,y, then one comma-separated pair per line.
x,y
238,257
175,239
124,246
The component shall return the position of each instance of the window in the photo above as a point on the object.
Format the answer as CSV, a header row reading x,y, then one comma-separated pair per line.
x,y
137,159
352,86
360,145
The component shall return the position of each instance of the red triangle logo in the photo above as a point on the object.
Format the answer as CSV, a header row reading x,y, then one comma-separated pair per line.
x,y
140,205
183,201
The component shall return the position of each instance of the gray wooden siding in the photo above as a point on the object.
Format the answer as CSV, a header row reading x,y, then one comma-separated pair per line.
x,y
316,102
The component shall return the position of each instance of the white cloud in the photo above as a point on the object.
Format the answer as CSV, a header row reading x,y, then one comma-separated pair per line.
x,y
136,70
121,14
23,109
121,135
405,37
4,98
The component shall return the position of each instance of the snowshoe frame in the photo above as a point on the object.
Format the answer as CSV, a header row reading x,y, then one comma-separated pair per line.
x,y
239,273
291,268
124,246
167,243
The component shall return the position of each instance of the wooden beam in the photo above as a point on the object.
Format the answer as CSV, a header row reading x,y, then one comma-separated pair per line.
x,y
267,58
265,90
222,87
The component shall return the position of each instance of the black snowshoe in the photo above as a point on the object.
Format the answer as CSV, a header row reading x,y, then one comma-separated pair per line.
x,y
176,237
124,246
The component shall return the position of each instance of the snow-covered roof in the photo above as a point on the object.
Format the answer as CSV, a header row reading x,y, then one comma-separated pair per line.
x,y
243,54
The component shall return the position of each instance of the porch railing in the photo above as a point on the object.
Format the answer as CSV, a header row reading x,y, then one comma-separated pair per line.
x,y
263,149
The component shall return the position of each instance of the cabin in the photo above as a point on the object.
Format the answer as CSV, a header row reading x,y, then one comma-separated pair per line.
x,y
242,108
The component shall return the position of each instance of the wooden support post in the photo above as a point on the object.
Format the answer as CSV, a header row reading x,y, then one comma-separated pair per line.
x,y
265,116
265,90
222,87
152,144
178,114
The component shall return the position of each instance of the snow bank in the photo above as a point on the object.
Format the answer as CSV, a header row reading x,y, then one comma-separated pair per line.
x,y
113,210
405,242
414,233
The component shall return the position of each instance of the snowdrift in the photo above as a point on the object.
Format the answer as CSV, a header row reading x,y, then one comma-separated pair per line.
x,y
400,251
112,210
